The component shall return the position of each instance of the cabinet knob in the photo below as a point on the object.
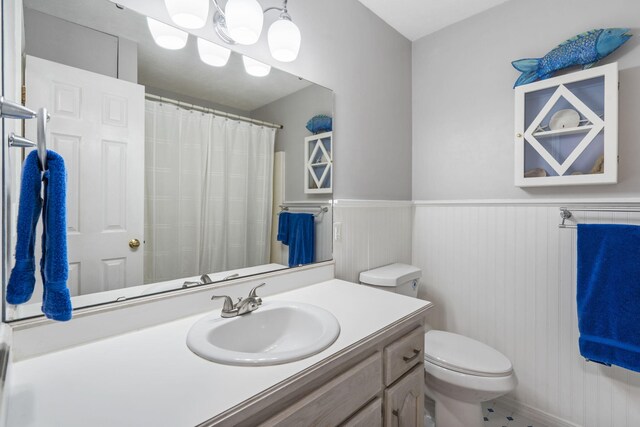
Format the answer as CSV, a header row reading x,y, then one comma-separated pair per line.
x,y
518,135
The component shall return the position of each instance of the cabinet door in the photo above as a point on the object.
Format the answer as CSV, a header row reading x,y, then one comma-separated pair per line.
x,y
404,401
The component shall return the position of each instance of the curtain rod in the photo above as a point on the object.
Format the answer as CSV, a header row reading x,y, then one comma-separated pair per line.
x,y
219,113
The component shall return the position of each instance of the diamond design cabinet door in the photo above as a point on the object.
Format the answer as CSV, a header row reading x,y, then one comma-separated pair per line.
x,y
566,129
318,170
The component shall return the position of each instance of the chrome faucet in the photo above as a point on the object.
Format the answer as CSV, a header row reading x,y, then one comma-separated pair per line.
x,y
243,306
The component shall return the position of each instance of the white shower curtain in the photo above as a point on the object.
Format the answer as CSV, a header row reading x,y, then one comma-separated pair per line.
x,y
208,193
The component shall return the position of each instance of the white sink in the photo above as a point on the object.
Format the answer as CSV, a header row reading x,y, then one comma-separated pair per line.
x,y
277,332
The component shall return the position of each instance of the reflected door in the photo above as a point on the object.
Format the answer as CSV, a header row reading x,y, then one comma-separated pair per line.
x,y
97,125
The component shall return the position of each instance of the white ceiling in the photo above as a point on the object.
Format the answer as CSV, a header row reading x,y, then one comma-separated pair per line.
x,y
417,18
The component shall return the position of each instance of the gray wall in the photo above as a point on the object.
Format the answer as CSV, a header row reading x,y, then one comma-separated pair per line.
x,y
345,47
293,112
81,47
463,101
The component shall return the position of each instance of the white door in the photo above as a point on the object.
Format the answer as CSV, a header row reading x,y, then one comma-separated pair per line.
x,y
97,125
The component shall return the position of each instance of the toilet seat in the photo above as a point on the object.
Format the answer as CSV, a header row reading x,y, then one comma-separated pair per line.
x,y
464,355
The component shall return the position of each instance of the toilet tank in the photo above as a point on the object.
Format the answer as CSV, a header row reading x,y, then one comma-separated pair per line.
x,y
398,278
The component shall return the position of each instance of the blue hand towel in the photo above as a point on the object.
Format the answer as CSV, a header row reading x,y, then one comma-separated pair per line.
x,y
608,294
301,239
22,279
283,227
54,268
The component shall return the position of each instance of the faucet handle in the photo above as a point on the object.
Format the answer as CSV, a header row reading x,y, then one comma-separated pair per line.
x,y
228,302
252,293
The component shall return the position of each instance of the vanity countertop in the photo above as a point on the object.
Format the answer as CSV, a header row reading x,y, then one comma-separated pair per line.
x,y
150,377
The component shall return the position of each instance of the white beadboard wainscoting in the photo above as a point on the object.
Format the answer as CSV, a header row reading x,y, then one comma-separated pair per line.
x,y
373,233
506,275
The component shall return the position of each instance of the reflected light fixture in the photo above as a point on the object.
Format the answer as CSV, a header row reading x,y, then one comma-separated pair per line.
x,y
167,36
188,13
213,54
241,22
255,68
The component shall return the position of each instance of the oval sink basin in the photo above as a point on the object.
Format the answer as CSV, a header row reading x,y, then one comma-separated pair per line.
x,y
277,332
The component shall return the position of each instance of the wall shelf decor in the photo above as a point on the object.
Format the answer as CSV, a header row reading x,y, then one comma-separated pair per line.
x,y
567,129
318,171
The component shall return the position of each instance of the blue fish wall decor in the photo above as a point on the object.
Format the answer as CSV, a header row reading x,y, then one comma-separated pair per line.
x,y
585,49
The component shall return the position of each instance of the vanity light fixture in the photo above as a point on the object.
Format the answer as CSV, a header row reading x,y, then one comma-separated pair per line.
x,y
284,38
188,13
213,54
255,68
241,22
167,36
244,20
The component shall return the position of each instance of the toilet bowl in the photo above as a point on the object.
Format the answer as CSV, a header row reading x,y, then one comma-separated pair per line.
x,y
460,373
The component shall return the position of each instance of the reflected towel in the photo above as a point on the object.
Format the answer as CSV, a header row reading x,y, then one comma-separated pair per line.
x,y
283,227
301,238
608,294
54,268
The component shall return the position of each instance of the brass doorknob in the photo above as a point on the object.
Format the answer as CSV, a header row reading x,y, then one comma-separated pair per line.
x,y
134,243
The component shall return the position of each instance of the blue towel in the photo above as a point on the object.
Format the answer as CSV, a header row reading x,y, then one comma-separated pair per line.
x,y
301,238
54,268
608,294
283,227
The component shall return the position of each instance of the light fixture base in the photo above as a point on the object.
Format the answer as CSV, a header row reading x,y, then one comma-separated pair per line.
x,y
220,27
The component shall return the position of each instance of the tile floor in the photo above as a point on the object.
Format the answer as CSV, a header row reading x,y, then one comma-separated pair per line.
x,y
497,417
493,416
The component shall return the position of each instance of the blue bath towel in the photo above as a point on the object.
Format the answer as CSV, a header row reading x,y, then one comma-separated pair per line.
x,y
283,227
609,293
54,268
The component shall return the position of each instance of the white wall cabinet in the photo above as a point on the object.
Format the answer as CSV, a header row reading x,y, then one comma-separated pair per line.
x,y
566,129
318,170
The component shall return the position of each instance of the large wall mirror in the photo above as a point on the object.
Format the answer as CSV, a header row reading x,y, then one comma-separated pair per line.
x,y
177,169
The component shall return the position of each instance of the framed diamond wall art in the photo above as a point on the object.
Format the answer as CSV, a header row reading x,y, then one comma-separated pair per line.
x,y
318,168
566,129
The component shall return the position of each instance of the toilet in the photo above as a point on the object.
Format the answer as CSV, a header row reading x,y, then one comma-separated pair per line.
x,y
460,372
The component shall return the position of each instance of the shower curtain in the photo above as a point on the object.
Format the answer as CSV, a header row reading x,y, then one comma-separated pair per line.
x,y
208,193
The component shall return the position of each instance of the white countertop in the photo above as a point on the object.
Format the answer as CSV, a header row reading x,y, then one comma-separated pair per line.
x,y
150,377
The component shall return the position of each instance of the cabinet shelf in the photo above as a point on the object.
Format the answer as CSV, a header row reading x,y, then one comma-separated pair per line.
x,y
564,131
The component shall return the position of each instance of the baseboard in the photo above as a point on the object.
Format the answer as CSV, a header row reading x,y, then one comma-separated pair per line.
x,y
511,405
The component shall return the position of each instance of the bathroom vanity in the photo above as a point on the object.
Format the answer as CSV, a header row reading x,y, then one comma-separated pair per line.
x,y
371,375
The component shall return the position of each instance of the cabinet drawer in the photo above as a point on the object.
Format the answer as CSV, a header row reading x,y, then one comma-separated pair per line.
x,y
335,401
369,416
402,355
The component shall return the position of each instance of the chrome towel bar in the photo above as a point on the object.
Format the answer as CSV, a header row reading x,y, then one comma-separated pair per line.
x,y
566,213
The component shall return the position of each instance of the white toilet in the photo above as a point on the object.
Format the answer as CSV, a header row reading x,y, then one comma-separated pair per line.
x,y
460,373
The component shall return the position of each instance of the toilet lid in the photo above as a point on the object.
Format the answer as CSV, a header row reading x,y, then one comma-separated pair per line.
x,y
462,354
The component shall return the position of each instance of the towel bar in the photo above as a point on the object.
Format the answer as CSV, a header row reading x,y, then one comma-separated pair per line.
x,y
566,213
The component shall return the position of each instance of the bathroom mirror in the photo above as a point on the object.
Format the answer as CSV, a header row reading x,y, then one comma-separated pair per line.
x,y
177,169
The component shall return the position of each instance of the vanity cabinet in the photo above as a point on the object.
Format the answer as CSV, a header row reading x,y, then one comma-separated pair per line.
x,y
566,129
376,382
